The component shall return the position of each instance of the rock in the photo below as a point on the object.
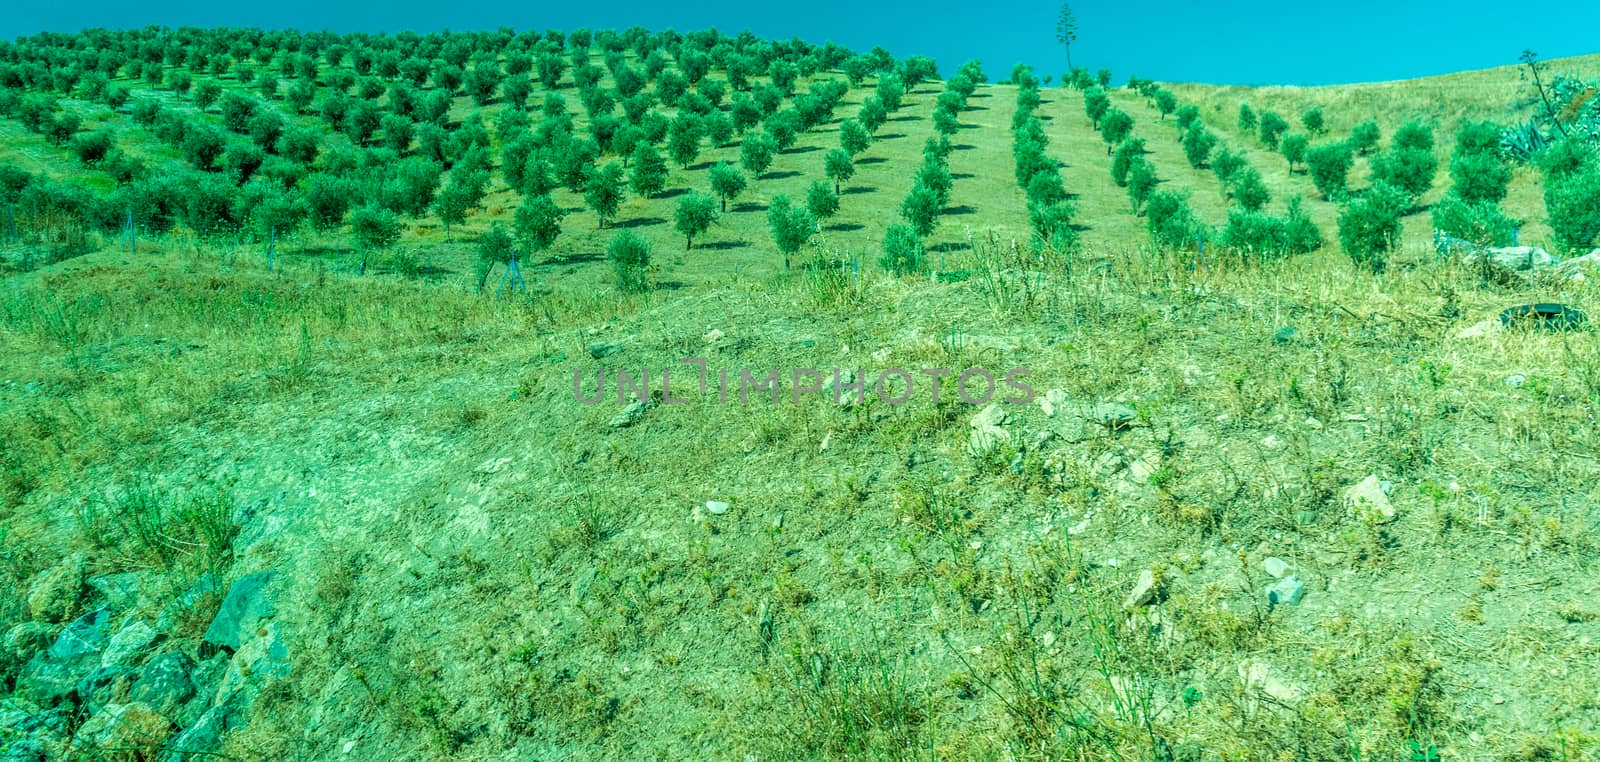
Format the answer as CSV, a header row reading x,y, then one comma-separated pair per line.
x,y
1516,380
129,643
1519,258
25,750
1368,501
630,415
1285,335
53,596
1481,329
133,730
713,336
987,433
164,685
1275,566
1259,676
1051,401
120,591
259,661
203,737
176,612
248,603
1287,591
1144,590
28,638
1115,416
601,349
1578,268
105,686
716,507
53,674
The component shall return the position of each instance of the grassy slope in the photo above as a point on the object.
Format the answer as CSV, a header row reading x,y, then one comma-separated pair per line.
x,y
482,568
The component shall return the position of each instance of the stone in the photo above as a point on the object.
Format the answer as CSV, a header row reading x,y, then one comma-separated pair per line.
x,y
120,591
248,603
1284,335
134,730
1275,566
987,434
105,686
203,737
1516,380
1578,268
1115,416
53,596
1490,327
164,684
1259,676
716,507
1369,502
25,750
630,415
129,643
259,661
28,638
1287,591
54,674
1144,590
1051,401
713,336
174,614
601,349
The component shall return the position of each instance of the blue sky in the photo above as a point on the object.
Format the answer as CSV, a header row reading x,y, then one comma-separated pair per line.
x,y
1241,42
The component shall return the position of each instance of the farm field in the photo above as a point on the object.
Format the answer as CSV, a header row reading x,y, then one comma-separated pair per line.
x,y
303,456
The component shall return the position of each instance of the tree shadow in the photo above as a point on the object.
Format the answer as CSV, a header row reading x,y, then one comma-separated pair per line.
x,y
749,206
906,118
801,149
563,260
702,166
891,136
844,227
856,190
671,193
962,175
979,96
780,175
963,147
721,245
318,251
950,246
962,209
671,285
967,126
976,108
639,222
870,160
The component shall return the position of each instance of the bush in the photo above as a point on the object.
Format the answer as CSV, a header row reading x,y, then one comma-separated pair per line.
x,y
1171,222
902,250
1246,188
1254,234
1481,222
1294,148
1407,168
1572,202
1052,223
1197,144
696,211
1330,167
630,259
1369,225
1480,177
1272,128
1302,233
1122,160
1224,163
1364,137
374,228
1312,119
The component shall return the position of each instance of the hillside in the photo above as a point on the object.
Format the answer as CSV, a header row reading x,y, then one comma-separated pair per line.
x,y
345,501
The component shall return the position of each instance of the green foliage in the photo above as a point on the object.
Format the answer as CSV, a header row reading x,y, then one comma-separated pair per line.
x,y
1330,165
791,226
1406,167
374,228
1095,104
902,250
1247,118
1246,188
1142,181
683,139
1369,224
538,222
756,152
921,209
1480,173
1415,135
1197,144
696,211
726,182
853,137
1122,160
1294,148
1481,222
1224,163
1188,116
1166,102
1115,125
839,167
1171,222
1257,235
1572,203
1051,220
649,172
630,261
494,247
603,192
1364,137
822,200
1271,129
1312,120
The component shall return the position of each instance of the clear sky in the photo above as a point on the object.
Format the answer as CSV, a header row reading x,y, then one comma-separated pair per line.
x,y
1238,42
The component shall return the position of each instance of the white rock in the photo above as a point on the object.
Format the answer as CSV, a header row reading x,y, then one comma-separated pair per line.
x,y
1516,380
1479,330
716,507
1144,591
1275,566
986,432
713,336
1369,502
1288,591
1051,401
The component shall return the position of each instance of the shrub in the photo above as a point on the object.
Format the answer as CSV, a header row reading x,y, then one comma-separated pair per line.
x,y
1247,118
1369,225
1364,137
1572,203
1171,222
1406,167
1246,188
1294,148
1272,128
1122,160
695,214
1197,144
1312,120
1142,180
630,260
1330,167
1480,177
902,250
1481,222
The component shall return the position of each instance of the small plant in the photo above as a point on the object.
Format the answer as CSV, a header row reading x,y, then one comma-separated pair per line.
x,y
630,260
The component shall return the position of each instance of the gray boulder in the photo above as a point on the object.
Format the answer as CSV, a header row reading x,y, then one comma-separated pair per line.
x,y
165,685
248,603
54,674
